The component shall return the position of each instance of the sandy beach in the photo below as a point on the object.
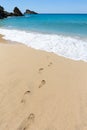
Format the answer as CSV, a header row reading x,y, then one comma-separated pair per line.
x,y
40,90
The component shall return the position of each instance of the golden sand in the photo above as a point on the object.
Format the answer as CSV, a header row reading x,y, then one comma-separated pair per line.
x,y
41,91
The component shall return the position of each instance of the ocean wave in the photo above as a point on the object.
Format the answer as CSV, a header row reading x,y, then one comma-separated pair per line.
x,y
69,47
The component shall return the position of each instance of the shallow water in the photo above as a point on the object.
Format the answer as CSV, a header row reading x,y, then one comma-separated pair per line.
x,y
63,34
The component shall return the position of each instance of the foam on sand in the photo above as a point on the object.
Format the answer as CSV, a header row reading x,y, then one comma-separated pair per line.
x,y
70,47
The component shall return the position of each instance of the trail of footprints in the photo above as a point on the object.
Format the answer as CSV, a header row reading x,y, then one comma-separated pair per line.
x,y
42,83
27,122
30,119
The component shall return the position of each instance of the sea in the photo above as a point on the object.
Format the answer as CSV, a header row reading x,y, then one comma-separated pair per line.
x,y
62,34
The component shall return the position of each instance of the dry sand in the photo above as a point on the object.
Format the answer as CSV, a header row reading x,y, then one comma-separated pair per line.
x,y
41,91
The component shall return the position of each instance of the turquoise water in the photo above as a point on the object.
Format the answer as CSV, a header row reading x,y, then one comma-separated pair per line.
x,y
68,24
62,34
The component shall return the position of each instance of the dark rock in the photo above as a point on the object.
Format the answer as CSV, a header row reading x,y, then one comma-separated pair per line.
x,y
11,14
2,15
30,12
1,9
17,12
6,14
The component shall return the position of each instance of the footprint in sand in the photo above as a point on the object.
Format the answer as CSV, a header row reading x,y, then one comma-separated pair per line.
x,y
27,122
50,64
40,70
26,93
43,82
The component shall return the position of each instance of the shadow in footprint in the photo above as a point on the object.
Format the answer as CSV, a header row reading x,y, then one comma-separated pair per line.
x,y
26,93
43,82
27,122
50,64
40,70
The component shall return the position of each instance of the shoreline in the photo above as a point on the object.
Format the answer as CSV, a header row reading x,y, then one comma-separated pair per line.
x,y
40,90
4,41
70,48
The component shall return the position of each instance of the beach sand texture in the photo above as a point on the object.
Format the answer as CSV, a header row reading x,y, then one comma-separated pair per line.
x,y
41,91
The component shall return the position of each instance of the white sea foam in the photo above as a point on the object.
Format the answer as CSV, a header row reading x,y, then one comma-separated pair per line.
x,y
69,47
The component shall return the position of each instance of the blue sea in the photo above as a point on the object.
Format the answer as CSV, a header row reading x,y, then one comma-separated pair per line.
x,y
62,34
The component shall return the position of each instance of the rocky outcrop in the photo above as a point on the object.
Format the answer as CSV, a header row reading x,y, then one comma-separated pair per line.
x,y
1,9
5,14
29,12
2,13
17,12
